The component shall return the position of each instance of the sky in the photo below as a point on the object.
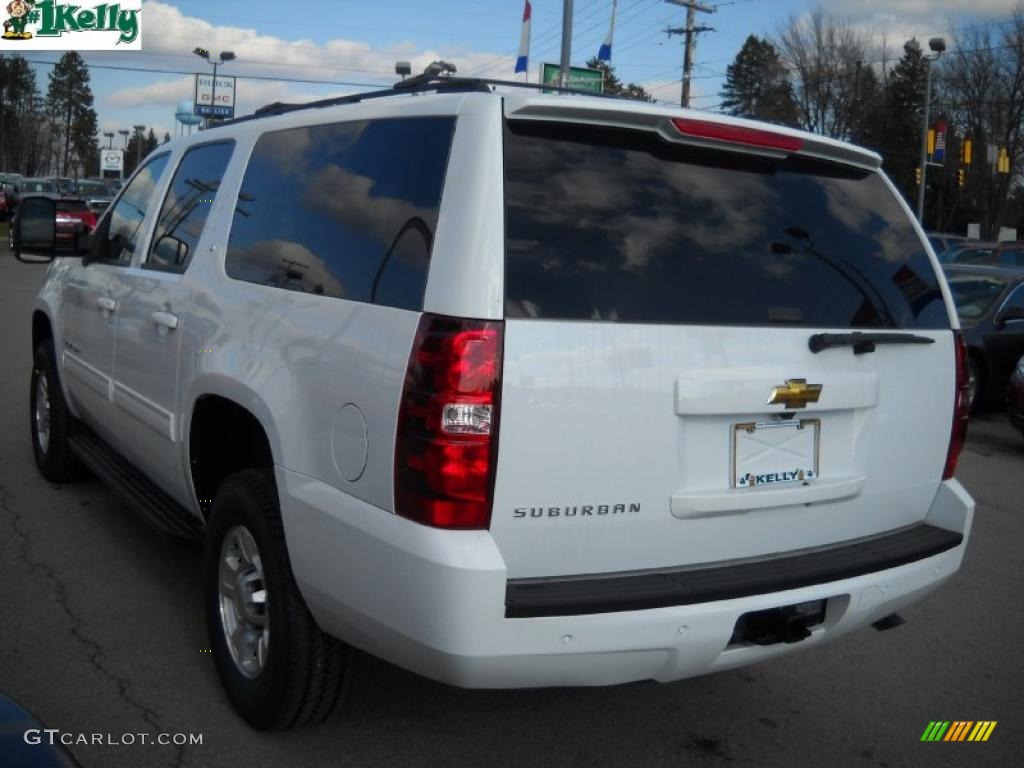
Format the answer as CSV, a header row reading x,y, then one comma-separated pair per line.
x,y
331,47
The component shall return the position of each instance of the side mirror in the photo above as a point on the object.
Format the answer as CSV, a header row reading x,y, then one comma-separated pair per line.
x,y
1008,315
35,230
170,251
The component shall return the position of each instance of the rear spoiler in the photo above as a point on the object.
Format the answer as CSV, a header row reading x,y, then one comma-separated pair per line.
x,y
690,127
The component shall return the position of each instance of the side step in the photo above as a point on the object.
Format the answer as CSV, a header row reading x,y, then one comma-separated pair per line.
x,y
156,507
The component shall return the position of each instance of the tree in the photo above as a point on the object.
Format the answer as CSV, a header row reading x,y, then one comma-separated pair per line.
x,y
825,55
20,137
757,85
167,137
615,87
895,130
73,122
140,144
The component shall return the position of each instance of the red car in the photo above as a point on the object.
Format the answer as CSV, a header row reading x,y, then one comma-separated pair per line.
x,y
1015,397
73,217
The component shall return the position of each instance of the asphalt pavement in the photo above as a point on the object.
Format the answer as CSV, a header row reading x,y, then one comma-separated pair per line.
x,y
102,635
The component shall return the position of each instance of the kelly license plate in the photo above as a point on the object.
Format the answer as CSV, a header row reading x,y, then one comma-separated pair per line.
x,y
775,453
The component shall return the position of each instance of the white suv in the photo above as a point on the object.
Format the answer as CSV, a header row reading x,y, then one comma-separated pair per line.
x,y
513,388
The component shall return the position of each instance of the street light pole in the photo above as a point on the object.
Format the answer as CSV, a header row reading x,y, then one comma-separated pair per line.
x,y
938,47
563,69
225,56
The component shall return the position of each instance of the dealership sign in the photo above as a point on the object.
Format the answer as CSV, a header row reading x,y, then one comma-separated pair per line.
x,y
50,25
214,99
111,160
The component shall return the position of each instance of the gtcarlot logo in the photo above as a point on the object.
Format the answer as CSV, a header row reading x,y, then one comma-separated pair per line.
x,y
52,736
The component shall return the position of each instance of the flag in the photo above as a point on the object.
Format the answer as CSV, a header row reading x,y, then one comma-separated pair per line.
x,y
605,52
524,40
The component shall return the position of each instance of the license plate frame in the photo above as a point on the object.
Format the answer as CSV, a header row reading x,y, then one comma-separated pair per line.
x,y
796,473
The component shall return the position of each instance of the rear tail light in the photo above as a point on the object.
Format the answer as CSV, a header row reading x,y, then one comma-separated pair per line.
x,y
446,445
737,134
961,409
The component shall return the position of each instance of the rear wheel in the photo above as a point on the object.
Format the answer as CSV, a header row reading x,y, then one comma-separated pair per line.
x,y
279,670
51,422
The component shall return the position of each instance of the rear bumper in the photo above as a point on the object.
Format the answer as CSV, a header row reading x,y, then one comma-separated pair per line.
x,y
434,601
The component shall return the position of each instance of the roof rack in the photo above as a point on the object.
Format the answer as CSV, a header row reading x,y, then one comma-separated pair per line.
x,y
417,84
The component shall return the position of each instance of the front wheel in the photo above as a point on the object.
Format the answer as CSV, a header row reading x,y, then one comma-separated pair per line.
x,y
278,669
51,422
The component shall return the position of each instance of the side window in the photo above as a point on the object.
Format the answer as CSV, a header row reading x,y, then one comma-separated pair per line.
x,y
1012,257
345,210
187,206
1015,299
117,236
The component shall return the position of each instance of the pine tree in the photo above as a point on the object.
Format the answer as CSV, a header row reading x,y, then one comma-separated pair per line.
x,y
757,85
69,103
615,87
19,136
897,122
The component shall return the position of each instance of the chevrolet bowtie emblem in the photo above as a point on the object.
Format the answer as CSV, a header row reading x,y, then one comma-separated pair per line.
x,y
795,393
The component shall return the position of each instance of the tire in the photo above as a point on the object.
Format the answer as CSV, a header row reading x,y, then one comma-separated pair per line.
x,y
50,421
976,385
303,673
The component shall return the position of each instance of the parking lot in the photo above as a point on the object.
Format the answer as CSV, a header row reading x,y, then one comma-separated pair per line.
x,y
101,632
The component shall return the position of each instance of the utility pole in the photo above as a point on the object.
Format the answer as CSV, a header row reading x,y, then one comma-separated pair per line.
x,y
690,32
563,70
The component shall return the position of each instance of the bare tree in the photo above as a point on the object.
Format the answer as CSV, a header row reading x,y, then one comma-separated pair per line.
x,y
825,55
982,88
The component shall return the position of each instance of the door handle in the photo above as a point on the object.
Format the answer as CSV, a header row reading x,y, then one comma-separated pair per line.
x,y
166,320
106,303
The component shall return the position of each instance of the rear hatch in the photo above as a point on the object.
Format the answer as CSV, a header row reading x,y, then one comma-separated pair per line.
x,y
661,404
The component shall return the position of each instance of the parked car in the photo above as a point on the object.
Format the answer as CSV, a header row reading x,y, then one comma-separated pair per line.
x,y
4,209
942,241
1015,396
95,192
34,186
27,743
1008,255
990,303
10,187
581,392
65,185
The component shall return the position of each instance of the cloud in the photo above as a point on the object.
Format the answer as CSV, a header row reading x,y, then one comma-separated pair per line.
x,y
170,33
929,9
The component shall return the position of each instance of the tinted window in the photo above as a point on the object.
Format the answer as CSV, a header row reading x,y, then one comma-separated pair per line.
x,y
345,210
38,187
973,256
187,205
1012,257
1015,299
974,295
117,237
623,226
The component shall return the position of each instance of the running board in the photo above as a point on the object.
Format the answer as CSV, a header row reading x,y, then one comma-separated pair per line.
x,y
141,494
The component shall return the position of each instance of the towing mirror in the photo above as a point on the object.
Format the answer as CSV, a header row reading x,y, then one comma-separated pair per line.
x,y
34,236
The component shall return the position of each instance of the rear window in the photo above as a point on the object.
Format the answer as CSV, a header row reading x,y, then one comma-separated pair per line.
x,y
973,256
622,226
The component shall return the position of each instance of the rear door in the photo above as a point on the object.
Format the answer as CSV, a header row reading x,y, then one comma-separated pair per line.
x,y
153,320
661,402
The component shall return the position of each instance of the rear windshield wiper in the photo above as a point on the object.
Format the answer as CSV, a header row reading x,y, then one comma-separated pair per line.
x,y
862,342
